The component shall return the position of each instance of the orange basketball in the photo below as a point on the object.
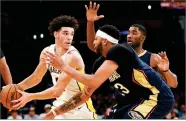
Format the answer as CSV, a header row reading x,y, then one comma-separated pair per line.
x,y
8,94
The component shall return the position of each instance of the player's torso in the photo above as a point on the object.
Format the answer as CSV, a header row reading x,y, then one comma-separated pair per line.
x,y
72,88
135,80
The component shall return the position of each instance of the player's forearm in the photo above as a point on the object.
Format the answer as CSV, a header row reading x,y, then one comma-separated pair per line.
x,y
6,75
171,79
90,35
47,94
29,82
88,80
71,104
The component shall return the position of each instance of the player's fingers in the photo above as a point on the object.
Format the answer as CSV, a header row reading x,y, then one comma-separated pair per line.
x,y
16,106
90,5
86,7
20,92
164,53
100,16
48,62
51,54
94,6
47,54
18,100
97,7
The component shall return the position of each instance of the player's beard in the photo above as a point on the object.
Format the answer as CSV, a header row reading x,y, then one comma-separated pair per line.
x,y
135,45
99,49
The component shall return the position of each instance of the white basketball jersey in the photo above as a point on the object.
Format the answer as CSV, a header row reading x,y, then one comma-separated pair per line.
x,y
72,88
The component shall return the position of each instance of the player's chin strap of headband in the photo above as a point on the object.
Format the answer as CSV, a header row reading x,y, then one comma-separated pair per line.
x,y
104,35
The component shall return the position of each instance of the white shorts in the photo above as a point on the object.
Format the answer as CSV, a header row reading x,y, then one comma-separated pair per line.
x,y
77,114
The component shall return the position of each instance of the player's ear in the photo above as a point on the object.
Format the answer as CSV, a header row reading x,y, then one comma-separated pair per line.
x,y
55,34
105,41
143,38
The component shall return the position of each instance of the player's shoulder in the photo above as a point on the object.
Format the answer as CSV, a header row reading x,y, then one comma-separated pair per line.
x,y
120,49
74,55
123,46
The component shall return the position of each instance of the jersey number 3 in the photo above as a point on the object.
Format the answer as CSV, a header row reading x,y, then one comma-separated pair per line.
x,y
123,90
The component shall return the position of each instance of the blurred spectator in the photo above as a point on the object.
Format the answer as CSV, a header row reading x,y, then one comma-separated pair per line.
x,y
14,115
47,109
182,112
174,114
31,115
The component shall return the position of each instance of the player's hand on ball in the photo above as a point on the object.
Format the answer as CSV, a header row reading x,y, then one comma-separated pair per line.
x,y
92,12
54,60
25,98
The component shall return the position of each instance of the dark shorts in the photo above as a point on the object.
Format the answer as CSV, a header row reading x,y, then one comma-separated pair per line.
x,y
143,109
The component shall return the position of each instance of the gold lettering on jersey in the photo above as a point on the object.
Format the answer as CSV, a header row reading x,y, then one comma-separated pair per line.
x,y
54,70
114,76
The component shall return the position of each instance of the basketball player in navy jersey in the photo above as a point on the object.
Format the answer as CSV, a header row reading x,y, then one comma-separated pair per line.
x,y
136,37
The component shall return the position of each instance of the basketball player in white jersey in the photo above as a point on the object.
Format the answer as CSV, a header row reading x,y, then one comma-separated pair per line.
x,y
62,28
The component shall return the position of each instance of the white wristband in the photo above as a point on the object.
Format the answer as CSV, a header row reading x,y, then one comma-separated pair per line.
x,y
53,111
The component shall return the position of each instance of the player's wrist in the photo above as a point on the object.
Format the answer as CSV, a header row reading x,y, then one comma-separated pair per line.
x,y
90,22
19,87
53,112
166,70
63,67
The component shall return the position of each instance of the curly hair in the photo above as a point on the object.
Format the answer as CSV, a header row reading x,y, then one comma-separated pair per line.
x,y
62,21
111,30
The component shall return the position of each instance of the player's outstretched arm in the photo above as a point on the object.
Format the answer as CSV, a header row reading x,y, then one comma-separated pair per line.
x,y
36,77
91,14
162,64
78,99
74,60
5,71
92,81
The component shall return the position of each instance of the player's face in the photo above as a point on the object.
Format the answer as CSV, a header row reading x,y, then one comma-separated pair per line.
x,y
64,37
98,45
134,37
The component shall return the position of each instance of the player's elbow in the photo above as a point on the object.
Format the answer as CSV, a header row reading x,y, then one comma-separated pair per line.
x,y
175,84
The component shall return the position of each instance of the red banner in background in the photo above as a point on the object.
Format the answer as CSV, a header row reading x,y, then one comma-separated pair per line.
x,y
173,5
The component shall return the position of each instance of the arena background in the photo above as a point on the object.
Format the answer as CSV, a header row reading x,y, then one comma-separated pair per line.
x,y
20,21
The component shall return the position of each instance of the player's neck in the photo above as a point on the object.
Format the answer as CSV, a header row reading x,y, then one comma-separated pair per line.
x,y
60,50
104,53
139,50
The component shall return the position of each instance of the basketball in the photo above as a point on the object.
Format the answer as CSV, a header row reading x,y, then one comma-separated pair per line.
x,y
8,94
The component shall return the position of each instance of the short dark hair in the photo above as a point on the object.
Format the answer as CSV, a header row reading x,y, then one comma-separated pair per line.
x,y
111,30
141,28
62,21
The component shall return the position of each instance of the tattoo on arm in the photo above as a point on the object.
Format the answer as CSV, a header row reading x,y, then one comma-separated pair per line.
x,y
72,103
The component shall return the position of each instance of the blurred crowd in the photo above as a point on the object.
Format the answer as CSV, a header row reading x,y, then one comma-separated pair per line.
x,y
31,115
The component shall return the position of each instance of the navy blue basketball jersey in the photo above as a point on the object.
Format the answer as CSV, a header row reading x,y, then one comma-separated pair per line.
x,y
134,79
145,57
